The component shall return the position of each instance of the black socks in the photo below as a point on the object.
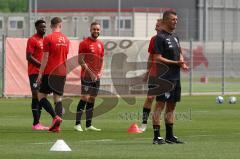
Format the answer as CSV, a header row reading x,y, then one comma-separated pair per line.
x,y
80,108
145,115
47,106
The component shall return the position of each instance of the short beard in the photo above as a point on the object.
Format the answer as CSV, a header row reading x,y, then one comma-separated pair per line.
x,y
95,37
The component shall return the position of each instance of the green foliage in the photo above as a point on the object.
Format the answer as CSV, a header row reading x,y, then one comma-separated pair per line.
x,y
13,6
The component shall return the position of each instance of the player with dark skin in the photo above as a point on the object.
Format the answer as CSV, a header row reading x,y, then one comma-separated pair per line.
x,y
34,53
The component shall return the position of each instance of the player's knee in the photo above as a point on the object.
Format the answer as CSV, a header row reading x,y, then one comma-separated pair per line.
x,y
160,105
57,98
168,113
155,118
41,95
91,99
155,115
150,99
169,117
170,109
85,98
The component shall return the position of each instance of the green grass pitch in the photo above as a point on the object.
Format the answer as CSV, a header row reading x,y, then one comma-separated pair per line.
x,y
210,131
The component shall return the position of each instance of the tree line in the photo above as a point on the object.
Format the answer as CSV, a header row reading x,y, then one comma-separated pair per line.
x,y
7,6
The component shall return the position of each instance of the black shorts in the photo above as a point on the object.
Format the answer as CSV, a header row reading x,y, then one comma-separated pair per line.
x,y
52,84
88,87
32,81
174,95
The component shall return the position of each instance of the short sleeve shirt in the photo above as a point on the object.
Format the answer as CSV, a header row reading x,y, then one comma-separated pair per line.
x,y
35,48
57,45
93,52
168,46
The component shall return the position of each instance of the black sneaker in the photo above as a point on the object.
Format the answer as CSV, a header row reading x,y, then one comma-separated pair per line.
x,y
159,141
173,140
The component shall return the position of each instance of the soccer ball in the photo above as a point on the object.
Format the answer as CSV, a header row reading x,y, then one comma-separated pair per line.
x,y
232,100
219,99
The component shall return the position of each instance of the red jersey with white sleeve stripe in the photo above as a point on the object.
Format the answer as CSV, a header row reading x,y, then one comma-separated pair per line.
x,y
57,45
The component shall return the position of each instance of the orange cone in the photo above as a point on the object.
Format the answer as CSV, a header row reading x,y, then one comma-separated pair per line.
x,y
134,129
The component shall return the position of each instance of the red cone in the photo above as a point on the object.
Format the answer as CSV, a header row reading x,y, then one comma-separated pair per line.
x,y
134,129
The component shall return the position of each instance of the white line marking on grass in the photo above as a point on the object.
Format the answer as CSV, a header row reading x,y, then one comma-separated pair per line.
x,y
48,143
109,140
200,135
142,138
102,140
10,116
42,143
200,111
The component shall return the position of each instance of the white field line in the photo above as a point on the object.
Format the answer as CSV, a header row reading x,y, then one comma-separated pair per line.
x,y
200,111
47,143
89,141
42,143
121,141
102,140
192,136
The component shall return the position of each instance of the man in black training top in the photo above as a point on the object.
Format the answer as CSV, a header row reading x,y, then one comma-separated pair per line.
x,y
168,51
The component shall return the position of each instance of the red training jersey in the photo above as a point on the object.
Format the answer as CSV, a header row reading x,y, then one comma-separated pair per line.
x,y
35,48
93,51
151,51
57,45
